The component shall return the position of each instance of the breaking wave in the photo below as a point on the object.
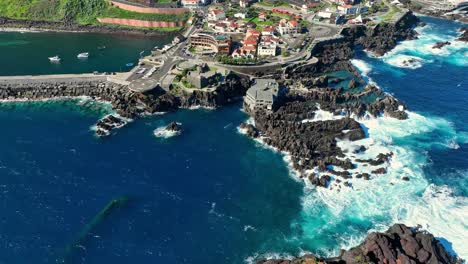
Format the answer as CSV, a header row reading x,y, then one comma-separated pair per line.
x,y
422,49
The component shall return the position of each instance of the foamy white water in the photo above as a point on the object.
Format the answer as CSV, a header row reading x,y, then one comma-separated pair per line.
x,y
421,49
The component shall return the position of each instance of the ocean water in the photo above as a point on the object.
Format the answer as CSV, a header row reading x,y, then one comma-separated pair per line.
x,y
28,53
212,195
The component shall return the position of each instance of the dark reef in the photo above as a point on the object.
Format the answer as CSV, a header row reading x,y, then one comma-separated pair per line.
x,y
398,245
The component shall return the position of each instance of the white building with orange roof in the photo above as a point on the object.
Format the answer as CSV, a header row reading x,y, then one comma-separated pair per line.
x,y
216,14
286,27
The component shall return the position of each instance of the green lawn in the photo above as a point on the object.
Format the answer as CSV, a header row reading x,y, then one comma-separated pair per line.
x,y
81,11
120,13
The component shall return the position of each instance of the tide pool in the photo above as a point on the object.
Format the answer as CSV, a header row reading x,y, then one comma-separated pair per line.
x,y
212,195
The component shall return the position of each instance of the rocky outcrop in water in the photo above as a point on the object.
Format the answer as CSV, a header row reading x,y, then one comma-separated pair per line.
x,y
441,44
174,127
464,34
398,245
108,123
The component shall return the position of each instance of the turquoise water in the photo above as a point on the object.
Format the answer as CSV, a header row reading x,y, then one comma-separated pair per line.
x,y
212,195
28,53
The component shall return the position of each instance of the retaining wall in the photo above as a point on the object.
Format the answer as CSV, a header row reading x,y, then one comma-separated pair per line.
x,y
140,23
149,10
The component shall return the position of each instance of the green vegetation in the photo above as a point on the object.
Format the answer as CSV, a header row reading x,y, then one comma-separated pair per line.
x,y
80,11
120,13
53,10
388,16
273,4
241,61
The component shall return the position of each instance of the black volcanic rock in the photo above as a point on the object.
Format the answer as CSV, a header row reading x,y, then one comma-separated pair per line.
x,y
174,126
398,245
108,123
441,44
464,35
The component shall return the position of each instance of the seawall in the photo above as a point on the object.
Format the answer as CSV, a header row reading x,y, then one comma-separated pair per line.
x,y
148,10
141,23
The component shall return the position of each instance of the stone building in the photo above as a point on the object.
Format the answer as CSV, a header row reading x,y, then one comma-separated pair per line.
x,y
216,43
262,95
203,77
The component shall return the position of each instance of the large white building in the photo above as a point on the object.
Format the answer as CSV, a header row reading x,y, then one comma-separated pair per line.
x,y
288,27
263,94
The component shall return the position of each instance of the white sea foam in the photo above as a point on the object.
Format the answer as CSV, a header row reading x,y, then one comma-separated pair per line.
x,y
362,66
405,61
422,49
387,196
163,132
322,115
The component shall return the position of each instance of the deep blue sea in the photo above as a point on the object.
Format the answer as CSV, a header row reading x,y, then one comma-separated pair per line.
x,y
212,195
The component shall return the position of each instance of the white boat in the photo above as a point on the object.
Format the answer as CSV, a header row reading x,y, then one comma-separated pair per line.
x,y
83,55
55,59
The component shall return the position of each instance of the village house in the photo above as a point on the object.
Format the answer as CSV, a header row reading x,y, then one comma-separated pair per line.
x,y
216,15
262,95
262,17
220,27
352,10
268,31
268,46
286,27
189,3
246,3
343,2
240,15
249,45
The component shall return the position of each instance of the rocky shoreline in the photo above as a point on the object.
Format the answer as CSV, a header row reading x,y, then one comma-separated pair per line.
x,y
313,144
9,24
399,244
126,104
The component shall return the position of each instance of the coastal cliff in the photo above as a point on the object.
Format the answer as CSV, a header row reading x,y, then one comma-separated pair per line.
x,y
399,244
294,126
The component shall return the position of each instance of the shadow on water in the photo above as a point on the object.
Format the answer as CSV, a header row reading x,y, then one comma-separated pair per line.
x,y
112,209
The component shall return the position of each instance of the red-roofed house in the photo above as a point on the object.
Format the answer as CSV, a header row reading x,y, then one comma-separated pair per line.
x,y
262,16
216,14
268,31
288,27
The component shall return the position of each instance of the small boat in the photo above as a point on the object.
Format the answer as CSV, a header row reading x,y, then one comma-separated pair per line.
x,y
130,64
101,47
55,59
83,55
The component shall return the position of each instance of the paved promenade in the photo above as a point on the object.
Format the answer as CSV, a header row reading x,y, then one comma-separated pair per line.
x,y
118,78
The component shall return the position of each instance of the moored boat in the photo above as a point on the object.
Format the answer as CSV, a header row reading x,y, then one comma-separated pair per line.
x,y
54,59
83,55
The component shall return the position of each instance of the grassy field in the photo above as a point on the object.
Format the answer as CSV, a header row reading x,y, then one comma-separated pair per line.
x,y
81,11
120,13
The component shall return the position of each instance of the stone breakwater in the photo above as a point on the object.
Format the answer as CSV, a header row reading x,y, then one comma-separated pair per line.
x,y
399,244
127,104
140,23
